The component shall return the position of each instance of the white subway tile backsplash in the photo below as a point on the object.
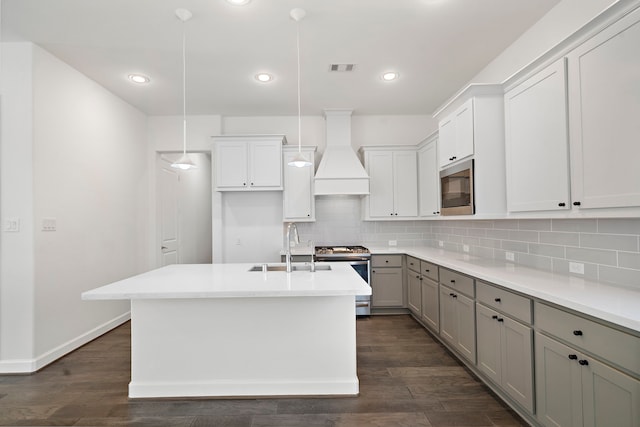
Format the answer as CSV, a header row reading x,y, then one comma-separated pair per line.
x,y
505,224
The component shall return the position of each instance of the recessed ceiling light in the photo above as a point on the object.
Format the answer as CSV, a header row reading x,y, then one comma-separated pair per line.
x,y
238,2
389,76
264,77
139,78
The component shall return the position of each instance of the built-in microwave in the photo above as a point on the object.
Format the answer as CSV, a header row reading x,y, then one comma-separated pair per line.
x,y
456,189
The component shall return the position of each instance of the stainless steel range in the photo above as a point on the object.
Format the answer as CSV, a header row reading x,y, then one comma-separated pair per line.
x,y
359,258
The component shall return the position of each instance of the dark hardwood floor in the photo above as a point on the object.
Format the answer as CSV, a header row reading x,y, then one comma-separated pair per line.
x,y
406,379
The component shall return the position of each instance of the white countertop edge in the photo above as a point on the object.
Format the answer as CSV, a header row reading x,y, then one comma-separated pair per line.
x,y
581,295
198,281
230,294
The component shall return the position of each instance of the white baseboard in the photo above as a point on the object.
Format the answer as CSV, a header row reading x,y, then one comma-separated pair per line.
x,y
27,366
245,388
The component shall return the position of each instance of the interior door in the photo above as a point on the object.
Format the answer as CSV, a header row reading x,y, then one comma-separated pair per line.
x,y
168,192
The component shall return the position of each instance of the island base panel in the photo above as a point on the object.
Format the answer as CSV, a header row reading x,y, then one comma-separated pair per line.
x,y
290,346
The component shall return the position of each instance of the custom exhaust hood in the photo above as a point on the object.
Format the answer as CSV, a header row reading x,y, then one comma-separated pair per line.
x,y
340,171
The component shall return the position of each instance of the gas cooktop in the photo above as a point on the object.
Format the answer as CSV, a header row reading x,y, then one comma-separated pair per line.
x,y
341,250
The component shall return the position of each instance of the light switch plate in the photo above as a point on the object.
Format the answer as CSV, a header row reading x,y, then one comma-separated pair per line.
x,y
509,256
393,243
441,243
12,225
465,248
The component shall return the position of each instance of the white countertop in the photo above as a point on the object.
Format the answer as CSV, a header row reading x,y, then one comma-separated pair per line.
x,y
232,281
615,304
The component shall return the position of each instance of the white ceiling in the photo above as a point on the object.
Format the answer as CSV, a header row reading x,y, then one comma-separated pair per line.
x,y
437,46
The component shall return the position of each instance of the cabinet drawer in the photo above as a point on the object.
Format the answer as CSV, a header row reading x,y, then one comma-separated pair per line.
x,y
386,261
507,302
413,264
608,343
457,281
429,270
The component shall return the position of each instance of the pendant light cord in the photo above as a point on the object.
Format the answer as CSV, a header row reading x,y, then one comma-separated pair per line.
x,y
184,90
299,109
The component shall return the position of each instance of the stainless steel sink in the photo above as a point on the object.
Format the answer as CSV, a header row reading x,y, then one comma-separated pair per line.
x,y
305,267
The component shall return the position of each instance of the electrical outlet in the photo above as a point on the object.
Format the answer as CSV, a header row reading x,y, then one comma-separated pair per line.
x,y
576,267
393,243
465,248
509,256
441,243
49,224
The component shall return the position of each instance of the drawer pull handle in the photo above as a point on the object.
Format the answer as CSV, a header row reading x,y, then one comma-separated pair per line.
x,y
497,299
426,270
417,277
577,333
573,357
583,362
500,319
451,294
453,281
494,317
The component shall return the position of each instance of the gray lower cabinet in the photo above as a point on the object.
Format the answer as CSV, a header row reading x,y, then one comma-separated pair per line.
x,y
575,390
580,378
430,304
505,354
414,286
386,281
457,322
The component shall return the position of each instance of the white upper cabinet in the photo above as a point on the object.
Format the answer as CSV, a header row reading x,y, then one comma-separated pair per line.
x,y
393,182
604,83
249,163
298,198
536,142
473,123
428,178
456,134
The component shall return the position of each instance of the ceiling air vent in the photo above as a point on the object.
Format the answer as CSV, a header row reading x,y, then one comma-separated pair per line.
x,y
341,67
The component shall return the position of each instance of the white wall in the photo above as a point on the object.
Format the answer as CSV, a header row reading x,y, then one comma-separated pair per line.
x,y
560,22
88,150
72,151
16,202
252,226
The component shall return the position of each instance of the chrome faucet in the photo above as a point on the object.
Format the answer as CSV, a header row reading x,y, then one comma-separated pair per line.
x,y
297,240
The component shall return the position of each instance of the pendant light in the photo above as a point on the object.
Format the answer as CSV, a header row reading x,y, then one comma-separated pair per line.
x,y
184,162
298,160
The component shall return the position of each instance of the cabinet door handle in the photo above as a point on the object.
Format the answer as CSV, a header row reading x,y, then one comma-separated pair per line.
x,y
583,362
455,296
576,203
417,277
453,281
562,204
500,319
386,260
426,270
497,299
252,184
573,357
577,333
244,183
494,317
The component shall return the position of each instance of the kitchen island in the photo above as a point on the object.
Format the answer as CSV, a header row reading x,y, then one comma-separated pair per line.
x,y
221,330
